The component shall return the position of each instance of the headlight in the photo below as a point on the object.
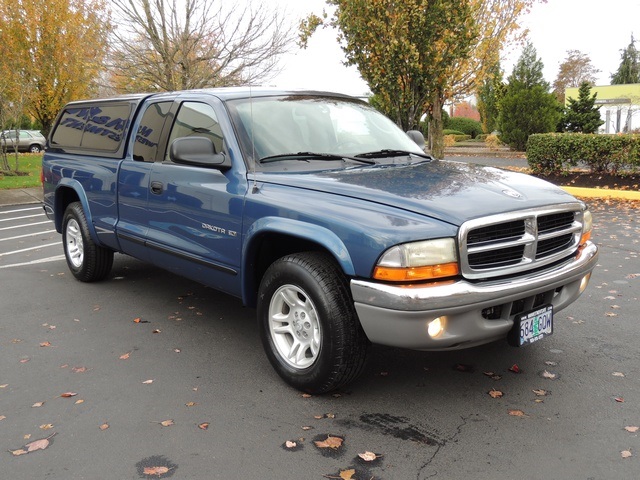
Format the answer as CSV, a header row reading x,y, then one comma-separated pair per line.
x,y
418,261
587,226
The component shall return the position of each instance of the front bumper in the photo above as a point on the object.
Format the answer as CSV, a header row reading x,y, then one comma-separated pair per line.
x,y
473,313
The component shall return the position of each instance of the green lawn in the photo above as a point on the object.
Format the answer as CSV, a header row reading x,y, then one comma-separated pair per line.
x,y
29,166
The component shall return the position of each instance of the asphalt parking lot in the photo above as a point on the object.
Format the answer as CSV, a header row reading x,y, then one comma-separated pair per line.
x,y
148,375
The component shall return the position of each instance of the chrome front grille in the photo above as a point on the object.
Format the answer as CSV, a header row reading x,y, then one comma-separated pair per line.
x,y
519,241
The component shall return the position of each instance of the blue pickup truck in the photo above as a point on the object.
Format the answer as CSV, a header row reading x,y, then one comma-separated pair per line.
x,y
319,212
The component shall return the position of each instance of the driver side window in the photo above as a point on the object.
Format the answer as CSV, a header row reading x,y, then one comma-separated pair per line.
x,y
197,119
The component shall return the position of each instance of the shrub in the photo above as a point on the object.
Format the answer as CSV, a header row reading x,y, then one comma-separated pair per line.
x,y
465,125
552,153
493,142
449,140
452,132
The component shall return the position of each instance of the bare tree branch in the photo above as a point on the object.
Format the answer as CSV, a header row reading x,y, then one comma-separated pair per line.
x,y
185,44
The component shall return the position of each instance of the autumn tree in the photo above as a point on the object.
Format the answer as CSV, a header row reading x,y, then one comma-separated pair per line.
x,y
184,44
417,54
574,70
57,48
488,97
527,107
581,114
629,68
403,50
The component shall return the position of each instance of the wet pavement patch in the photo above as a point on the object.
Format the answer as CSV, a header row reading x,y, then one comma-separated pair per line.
x,y
156,466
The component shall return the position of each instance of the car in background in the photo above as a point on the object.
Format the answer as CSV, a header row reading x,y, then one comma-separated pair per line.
x,y
28,141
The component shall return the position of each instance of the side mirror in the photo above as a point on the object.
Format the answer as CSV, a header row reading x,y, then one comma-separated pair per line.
x,y
417,137
199,152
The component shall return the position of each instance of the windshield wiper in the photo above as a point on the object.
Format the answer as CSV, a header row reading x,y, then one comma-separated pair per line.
x,y
385,153
303,156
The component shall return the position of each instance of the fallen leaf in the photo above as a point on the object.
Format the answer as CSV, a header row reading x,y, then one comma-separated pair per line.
x,y
347,474
147,382
540,392
330,442
610,314
492,375
191,404
495,393
155,471
17,453
25,360
306,428
167,423
46,426
515,368
177,350
626,454
290,444
157,330
306,395
139,320
552,364
78,402
632,429
79,369
45,344
517,413
37,404
618,374
549,375
38,444
203,426
125,356
619,399
368,456
330,415
4,385
104,426
2,417
68,394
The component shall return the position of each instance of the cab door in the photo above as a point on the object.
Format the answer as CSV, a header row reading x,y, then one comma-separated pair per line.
x,y
195,213
134,173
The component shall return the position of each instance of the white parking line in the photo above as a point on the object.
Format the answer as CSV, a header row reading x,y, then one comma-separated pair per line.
x,y
34,262
25,225
20,210
20,218
27,235
29,249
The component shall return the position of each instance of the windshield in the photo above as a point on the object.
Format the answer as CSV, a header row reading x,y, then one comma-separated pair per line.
x,y
280,126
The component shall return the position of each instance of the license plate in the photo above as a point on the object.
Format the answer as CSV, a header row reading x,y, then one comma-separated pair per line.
x,y
535,325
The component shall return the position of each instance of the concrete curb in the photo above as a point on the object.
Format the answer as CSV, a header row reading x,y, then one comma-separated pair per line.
x,y
602,193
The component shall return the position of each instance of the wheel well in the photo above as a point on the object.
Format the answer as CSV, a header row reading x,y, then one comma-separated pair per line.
x,y
64,196
272,247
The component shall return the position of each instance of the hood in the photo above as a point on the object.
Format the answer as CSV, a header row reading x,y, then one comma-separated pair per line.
x,y
449,191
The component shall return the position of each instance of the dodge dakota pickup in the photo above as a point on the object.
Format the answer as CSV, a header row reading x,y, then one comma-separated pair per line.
x,y
319,212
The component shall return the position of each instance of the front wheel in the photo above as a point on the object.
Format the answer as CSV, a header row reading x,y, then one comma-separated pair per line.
x,y
87,261
308,325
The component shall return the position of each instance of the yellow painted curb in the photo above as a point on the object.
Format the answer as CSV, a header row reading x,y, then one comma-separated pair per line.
x,y
602,193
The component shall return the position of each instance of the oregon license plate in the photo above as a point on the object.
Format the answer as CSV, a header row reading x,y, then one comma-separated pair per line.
x,y
535,325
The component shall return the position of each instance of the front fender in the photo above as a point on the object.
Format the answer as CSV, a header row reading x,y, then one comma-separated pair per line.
x,y
316,234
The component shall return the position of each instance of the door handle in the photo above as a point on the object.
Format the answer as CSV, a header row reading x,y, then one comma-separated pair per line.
x,y
157,188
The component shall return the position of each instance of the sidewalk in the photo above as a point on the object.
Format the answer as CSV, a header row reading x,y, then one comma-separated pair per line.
x,y
20,196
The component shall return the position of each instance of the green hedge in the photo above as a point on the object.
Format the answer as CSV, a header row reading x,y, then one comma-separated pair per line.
x,y
465,125
557,153
448,131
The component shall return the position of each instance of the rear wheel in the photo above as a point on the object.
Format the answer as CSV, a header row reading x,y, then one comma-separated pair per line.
x,y
308,325
35,148
87,261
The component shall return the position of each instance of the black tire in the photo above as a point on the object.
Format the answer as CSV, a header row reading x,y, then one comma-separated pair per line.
x,y
35,148
87,261
308,324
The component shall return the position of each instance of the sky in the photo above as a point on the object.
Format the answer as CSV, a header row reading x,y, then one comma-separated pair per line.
x,y
600,29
